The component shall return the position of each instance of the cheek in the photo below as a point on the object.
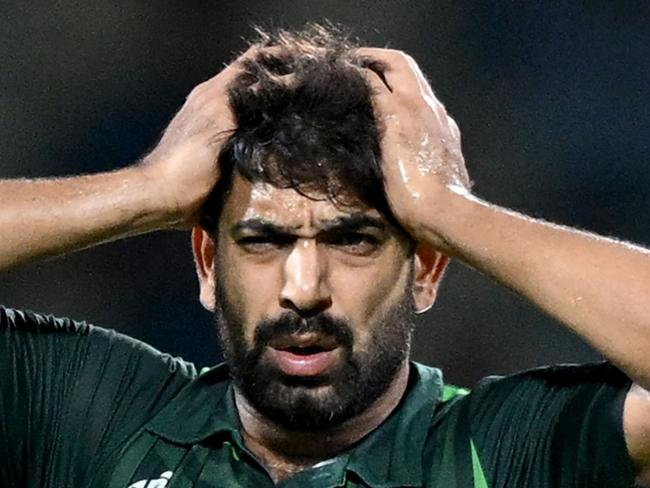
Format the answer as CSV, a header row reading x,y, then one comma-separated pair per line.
x,y
365,294
250,290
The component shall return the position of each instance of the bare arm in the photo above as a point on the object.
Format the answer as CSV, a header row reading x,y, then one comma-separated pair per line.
x,y
47,217
598,287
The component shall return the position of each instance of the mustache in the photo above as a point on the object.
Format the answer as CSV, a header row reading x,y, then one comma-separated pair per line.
x,y
293,324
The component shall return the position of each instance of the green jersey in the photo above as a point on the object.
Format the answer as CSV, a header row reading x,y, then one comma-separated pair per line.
x,y
84,406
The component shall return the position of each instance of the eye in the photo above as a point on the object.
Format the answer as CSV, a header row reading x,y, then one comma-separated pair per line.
x,y
260,243
354,242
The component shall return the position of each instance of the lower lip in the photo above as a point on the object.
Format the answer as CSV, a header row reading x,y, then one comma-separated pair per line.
x,y
304,364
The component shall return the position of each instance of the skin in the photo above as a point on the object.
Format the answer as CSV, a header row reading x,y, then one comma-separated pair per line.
x,y
598,287
573,276
357,273
48,217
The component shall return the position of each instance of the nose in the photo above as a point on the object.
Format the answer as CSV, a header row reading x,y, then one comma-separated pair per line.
x,y
305,289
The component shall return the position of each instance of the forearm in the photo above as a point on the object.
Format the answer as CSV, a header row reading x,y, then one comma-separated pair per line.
x,y
598,287
40,218
168,189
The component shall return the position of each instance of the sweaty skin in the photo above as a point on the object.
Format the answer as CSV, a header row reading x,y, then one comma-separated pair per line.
x,y
598,287
309,269
47,217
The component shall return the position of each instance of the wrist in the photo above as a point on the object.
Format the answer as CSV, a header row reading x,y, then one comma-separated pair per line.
x,y
160,205
439,218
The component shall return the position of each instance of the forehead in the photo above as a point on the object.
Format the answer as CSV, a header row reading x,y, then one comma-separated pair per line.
x,y
286,206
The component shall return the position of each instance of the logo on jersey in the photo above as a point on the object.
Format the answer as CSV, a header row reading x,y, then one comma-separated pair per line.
x,y
155,483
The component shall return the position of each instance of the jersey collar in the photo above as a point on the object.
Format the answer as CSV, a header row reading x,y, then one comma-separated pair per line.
x,y
201,409
390,456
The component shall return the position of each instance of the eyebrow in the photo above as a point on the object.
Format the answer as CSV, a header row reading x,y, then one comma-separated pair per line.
x,y
344,223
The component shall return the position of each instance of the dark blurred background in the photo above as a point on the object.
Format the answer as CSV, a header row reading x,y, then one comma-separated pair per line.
x,y
552,99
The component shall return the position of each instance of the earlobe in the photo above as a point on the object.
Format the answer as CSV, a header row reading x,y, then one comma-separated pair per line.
x,y
203,248
429,267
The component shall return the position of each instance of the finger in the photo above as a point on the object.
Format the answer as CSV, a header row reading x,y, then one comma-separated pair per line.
x,y
256,50
405,77
237,66
381,94
286,80
376,81
453,128
396,60
397,70
425,87
426,90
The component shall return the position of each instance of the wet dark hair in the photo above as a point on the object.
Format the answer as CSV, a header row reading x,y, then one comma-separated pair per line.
x,y
304,121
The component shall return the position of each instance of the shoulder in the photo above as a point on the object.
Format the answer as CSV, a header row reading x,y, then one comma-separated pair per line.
x,y
24,333
528,385
27,321
556,383
533,401
548,423
559,376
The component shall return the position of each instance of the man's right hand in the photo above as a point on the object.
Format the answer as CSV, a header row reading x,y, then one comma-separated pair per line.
x,y
184,163
48,217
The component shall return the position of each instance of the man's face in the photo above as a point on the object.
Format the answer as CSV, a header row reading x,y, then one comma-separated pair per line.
x,y
313,303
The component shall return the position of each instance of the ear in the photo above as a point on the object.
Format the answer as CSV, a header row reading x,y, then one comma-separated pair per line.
x,y
203,249
430,265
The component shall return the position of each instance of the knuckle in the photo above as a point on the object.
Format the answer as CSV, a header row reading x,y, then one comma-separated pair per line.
x,y
410,59
441,111
453,126
394,56
403,58
197,91
394,52
397,57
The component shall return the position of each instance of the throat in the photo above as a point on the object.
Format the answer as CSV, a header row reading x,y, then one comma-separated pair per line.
x,y
285,453
279,466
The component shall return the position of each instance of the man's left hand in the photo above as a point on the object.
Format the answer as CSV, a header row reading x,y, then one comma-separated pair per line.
x,y
421,152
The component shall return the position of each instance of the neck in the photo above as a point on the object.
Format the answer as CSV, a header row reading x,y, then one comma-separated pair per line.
x,y
285,452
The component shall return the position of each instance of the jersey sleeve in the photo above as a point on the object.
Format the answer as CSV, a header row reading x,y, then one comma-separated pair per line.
x,y
71,394
553,427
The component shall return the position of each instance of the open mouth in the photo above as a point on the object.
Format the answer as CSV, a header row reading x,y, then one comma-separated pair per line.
x,y
305,343
305,354
304,351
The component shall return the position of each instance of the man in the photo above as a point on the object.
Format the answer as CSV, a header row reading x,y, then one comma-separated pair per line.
x,y
278,165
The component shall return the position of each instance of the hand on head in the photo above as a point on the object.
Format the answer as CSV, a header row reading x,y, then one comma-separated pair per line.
x,y
184,163
421,148
420,145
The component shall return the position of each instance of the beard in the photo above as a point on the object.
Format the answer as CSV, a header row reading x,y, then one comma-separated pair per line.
x,y
323,401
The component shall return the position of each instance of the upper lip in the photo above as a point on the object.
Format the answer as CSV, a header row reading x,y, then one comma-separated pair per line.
x,y
310,339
